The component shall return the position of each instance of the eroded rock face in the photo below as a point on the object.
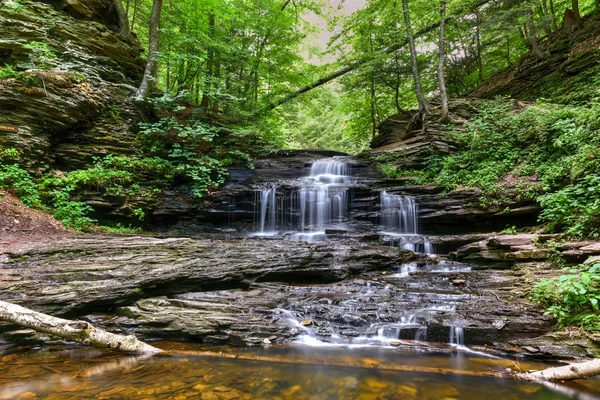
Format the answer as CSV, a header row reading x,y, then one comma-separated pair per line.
x,y
75,73
243,291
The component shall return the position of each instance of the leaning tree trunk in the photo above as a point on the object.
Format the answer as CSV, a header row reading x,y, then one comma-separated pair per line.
x,y
575,6
144,88
423,107
123,21
533,38
571,372
441,81
75,331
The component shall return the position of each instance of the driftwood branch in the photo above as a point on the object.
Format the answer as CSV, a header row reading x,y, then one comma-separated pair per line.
x,y
77,331
571,372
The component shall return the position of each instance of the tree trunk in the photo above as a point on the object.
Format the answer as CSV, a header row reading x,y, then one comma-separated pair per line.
x,y
210,59
554,20
546,17
123,21
143,90
441,81
357,64
566,373
75,331
575,6
533,37
478,45
423,108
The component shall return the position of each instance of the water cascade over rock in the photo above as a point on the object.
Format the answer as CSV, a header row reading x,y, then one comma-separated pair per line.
x,y
400,223
319,201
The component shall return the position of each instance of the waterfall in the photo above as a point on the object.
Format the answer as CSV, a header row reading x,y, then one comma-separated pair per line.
x,y
400,220
457,336
321,199
399,213
268,209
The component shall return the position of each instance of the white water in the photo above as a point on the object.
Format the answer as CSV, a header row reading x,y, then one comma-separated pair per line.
x,y
400,222
321,200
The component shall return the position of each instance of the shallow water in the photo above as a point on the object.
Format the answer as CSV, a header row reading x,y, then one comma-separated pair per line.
x,y
81,373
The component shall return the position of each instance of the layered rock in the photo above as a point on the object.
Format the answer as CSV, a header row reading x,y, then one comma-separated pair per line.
x,y
74,73
243,291
528,247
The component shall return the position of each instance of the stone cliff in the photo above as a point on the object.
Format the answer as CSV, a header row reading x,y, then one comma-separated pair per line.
x,y
73,79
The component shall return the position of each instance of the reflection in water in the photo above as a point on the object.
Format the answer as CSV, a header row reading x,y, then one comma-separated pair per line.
x,y
81,374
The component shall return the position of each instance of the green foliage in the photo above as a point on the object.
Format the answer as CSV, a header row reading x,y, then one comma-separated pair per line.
x,y
41,54
317,121
198,151
547,151
13,176
574,208
8,72
572,298
122,229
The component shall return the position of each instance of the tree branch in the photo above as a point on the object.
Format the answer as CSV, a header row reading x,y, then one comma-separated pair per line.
x,y
76,331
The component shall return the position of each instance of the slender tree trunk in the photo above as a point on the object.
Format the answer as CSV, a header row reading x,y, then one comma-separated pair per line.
x,y
135,8
210,57
75,331
143,90
533,37
127,10
423,107
123,21
575,6
554,20
441,81
546,17
478,45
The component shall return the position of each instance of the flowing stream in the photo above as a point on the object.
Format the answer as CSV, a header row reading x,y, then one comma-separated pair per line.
x,y
80,373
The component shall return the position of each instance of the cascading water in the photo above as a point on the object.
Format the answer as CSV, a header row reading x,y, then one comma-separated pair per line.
x,y
321,199
457,336
268,209
400,221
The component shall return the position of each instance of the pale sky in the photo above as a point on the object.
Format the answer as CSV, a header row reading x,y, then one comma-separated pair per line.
x,y
337,7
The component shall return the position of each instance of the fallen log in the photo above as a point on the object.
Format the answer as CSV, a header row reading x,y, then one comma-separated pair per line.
x,y
76,331
571,372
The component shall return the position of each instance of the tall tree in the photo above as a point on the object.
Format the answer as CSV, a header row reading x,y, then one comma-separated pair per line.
x,y
123,21
533,36
440,73
575,6
154,37
423,107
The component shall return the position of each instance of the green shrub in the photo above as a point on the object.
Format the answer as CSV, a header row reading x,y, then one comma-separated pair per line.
x,y
8,72
572,298
575,208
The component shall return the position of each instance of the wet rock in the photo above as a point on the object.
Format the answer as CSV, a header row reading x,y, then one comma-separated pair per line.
x,y
506,248
78,274
246,291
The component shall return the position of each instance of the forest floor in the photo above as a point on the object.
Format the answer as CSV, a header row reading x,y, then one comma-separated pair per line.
x,y
19,223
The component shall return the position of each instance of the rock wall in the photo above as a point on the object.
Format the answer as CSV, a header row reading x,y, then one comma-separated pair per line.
x,y
75,75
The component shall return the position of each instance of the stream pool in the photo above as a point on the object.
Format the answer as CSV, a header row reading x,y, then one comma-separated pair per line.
x,y
289,372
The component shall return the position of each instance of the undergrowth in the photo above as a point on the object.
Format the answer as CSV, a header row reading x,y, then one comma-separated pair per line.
x,y
572,298
547,152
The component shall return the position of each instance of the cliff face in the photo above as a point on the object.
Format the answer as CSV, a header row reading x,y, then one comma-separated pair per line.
x,y
73,77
